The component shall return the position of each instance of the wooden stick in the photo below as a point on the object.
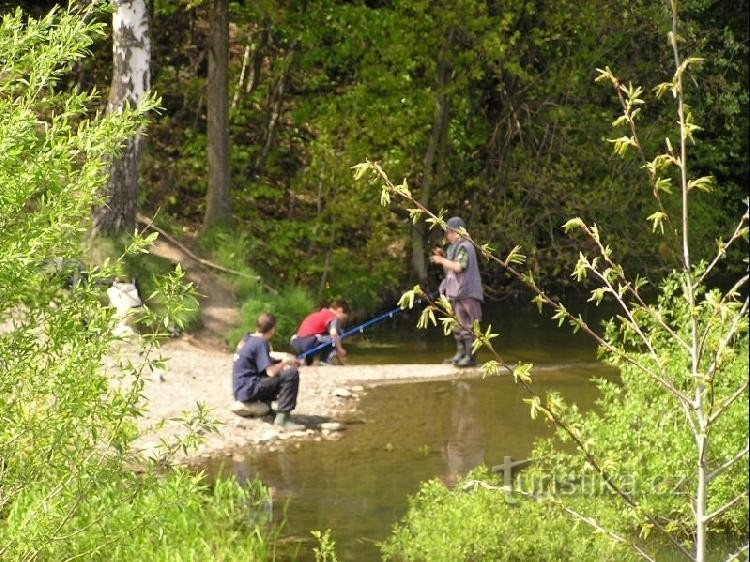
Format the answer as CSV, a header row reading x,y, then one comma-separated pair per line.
x,y
149,223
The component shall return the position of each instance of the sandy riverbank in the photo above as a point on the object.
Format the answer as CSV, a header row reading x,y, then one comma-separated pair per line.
x,y
200,374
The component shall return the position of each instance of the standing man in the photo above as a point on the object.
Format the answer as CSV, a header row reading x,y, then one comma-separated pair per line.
x,y
257,377
462,286
323,326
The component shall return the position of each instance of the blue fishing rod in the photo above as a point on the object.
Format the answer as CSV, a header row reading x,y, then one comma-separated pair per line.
x,y
361,327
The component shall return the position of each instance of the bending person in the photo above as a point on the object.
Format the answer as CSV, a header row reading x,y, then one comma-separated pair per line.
x,y
257,377
323,326
462,286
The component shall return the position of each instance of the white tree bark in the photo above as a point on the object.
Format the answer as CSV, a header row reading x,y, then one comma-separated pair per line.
x,y
131,80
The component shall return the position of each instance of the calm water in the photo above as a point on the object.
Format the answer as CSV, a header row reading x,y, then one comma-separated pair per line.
x,y
403,434
524,335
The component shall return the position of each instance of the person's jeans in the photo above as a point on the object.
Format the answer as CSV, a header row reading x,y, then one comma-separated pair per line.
x,y
467,311
301,345
283,388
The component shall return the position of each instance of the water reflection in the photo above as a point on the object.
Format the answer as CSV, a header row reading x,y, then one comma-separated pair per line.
x,y
359,485
286,482
464,445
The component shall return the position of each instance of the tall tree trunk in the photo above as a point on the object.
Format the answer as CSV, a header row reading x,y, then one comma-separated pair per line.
x,y
131,79
429,177
218,202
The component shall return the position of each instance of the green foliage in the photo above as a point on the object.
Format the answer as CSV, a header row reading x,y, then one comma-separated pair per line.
x,y
69,396
236,250
477,520
355,81
636,422
233,249
151,274
177,518
289,306
326,549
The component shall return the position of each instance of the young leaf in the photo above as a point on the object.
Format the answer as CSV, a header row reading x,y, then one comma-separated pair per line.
x,y
657,219
705,183
360,170
574,223
664,184
515,256
522,372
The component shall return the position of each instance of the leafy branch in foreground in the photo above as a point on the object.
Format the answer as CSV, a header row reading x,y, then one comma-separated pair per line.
x,y
688,343
70,389
549,407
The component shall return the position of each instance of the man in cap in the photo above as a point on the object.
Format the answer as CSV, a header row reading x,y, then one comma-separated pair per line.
x,y
462,286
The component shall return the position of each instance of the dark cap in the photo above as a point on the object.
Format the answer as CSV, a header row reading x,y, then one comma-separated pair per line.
x,y
454,223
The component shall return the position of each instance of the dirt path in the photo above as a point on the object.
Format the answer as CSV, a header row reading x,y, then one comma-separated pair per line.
x,y
199,371
219,308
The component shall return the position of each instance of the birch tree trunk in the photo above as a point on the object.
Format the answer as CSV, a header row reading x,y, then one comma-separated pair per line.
x,y
131,80
218,202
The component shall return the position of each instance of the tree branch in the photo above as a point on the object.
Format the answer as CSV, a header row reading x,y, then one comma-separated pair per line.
x,y
727,464
149,223
736,555
725,507
723,407
739,230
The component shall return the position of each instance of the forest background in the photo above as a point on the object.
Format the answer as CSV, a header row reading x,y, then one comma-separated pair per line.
x,y
486,107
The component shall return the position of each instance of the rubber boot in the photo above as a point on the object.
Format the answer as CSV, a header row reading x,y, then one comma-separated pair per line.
x,y
468,359
460,351
284,420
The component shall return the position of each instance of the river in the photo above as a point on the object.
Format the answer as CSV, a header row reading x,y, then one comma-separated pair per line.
x,y
404,434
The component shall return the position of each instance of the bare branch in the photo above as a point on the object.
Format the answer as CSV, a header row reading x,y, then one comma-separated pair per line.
x,y
739,230
727,464
149,223
727,402
736,555
725,507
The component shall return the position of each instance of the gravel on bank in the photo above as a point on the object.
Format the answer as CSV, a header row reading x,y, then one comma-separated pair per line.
x,y
199,374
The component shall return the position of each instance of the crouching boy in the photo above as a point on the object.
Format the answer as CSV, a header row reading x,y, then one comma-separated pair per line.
x,y
257,378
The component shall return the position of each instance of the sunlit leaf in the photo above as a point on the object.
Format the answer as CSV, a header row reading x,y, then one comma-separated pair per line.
x,y
705,183
576,222
657,220
522,372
